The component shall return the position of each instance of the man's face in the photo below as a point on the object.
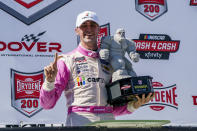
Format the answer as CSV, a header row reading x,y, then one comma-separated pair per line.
x,y
88,32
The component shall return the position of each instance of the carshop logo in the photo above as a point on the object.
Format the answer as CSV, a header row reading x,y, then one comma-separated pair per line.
x,y
81,81
164,97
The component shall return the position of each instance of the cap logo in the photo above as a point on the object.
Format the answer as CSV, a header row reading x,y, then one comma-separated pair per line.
x,y
87,15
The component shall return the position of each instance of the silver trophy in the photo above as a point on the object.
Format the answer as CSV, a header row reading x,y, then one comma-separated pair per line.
x,y
113,49
125,82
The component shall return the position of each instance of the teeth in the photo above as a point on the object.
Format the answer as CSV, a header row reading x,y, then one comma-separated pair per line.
x,y
88,34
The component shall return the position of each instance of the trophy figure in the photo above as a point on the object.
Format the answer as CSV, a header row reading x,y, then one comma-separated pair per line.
x,y
125,82
113,49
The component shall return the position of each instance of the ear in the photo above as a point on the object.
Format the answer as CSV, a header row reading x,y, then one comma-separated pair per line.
x,y
77,30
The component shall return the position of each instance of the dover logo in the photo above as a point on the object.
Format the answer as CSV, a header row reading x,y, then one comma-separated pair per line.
x,y
25,90
156,46
151,9
193,2
29,45
164,97
29,11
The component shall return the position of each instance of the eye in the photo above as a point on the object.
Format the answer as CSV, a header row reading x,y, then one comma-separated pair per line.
x,y
83,26
93,25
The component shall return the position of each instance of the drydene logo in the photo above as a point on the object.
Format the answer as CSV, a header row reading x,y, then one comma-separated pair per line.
x,y
23,11
29,44
81,81
164,97
155,46
25,88
104,31
151,9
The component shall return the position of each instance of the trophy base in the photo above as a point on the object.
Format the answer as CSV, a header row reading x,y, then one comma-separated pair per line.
x,y
122,74
122,91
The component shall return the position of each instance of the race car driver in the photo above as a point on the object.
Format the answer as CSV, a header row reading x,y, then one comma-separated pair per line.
x,y
82,76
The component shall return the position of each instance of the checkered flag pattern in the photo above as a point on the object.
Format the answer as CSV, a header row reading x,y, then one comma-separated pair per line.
x,y
32,37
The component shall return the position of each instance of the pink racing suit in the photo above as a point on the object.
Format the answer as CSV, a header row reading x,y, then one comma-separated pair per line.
x,y
82,76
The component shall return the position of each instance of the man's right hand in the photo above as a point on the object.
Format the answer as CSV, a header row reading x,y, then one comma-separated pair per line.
x,y
50,71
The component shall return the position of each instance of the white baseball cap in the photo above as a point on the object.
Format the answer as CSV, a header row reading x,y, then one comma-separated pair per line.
x,y
86,15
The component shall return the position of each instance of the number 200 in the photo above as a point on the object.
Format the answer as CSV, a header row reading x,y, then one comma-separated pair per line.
x,y
151,8
29,103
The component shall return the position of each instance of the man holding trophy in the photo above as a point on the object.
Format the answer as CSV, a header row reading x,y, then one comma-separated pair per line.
x,y
83,77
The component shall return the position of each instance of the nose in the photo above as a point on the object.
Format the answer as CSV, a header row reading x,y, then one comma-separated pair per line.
x,y
89,28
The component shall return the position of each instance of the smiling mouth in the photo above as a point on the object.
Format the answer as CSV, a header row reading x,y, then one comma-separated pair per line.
x,y
89,35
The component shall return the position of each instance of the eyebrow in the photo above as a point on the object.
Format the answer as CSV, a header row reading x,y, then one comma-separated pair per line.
x,y
91,22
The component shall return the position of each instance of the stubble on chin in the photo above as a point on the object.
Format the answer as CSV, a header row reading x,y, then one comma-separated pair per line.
x,y
90,43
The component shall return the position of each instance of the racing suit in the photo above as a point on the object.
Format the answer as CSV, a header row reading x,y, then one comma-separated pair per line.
x,y
82,76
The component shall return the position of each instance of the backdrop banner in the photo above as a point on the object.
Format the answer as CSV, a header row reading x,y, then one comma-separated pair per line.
x,y
164,32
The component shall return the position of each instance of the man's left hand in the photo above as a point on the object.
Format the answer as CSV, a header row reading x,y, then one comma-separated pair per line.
x,y
143,100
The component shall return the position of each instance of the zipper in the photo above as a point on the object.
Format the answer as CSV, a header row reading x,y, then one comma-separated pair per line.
x,y
98,85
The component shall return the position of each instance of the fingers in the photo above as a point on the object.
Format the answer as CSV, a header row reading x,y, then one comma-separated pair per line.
x,y
54,64
153,95
56,57
55,60
138,98
46,71
137,103
148,98
59,56
50,73
145,99
149,95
